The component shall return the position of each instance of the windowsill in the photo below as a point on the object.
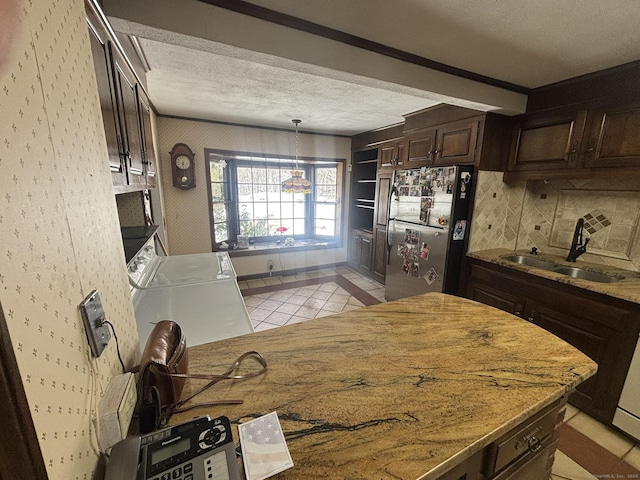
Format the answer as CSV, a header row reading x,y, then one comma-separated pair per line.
x,y
260,248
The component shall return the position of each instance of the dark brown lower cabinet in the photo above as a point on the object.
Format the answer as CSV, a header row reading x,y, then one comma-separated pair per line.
x,y
380,254
368,252
360,245
604,328
526,452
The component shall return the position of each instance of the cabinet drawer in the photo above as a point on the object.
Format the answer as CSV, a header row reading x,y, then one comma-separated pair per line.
x,y
529,438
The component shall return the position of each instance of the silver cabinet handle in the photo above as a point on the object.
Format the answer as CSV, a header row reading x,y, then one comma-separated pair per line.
x,y
534,444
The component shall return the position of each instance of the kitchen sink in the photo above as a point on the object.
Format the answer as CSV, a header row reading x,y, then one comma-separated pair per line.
x,y
574,272
531,262
587,275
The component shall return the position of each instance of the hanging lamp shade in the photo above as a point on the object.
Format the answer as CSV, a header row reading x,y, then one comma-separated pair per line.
x,y
296,184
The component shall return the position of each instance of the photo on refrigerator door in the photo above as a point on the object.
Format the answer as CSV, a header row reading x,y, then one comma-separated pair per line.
x,y
411,269
459,229
431,276
411,237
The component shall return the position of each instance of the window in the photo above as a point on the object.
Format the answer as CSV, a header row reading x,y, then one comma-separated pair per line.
x,y
247,198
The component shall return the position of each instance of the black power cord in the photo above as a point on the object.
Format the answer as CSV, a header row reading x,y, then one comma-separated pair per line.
x,y
124,370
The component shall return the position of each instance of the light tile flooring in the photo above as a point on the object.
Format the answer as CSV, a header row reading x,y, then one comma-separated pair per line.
x,y
315,294
588,449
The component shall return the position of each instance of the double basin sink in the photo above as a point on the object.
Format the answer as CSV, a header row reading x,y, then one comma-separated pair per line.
x,y
574,272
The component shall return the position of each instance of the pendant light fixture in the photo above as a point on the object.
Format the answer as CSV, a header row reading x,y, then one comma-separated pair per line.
x,y
296,184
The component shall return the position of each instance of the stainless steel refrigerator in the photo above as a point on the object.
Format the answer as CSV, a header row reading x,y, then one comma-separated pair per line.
x,y
426,230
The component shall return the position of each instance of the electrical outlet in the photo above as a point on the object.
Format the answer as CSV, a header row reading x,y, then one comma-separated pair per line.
x,y
269,265
94,319
116,409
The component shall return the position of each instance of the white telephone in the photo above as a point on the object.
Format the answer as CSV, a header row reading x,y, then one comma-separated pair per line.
x,y
199,449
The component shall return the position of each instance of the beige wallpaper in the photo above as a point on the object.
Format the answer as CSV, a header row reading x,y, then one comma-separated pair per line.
x,y
187,212
59,232
543,214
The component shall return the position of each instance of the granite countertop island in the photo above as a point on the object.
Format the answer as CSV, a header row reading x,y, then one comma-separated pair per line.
x,y
400,390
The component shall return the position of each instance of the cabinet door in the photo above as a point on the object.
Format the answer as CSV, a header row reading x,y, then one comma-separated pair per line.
x,y
491,288
390,155
100,49
547,143
420,148
148,152
595,341
354,248
366,244
128,103
614,140
497,298
383,191
456,143
380,254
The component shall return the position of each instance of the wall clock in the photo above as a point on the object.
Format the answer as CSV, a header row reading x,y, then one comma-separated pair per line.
x,y
182,166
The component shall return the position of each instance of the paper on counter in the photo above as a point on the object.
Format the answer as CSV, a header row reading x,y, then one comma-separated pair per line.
x,y
264,448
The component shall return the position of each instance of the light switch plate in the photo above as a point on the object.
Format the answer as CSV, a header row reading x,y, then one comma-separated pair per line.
x,y
93,316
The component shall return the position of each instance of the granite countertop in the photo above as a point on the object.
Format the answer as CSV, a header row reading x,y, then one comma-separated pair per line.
x,y
628,288
406,389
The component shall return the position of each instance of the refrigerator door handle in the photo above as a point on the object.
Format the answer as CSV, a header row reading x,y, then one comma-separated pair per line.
x,y
391,220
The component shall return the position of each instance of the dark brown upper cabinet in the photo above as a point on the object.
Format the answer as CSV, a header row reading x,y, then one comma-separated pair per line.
x,y
450,144
391,154
457,142
101,51
448,135
584,127
547,142
126,110
614,138
420,146
601,140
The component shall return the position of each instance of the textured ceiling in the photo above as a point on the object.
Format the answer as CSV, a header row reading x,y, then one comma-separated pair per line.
x,y
526,43
239,91
209,63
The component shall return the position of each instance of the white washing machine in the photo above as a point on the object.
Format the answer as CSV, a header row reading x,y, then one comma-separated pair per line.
x,y
199,292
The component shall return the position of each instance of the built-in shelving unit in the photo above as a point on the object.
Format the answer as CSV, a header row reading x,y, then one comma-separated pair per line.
x,y
363,189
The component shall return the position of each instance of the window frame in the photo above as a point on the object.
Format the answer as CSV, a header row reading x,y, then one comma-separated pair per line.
x,y
238,158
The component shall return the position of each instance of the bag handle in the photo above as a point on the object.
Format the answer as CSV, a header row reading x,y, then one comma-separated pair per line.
x,y
213,379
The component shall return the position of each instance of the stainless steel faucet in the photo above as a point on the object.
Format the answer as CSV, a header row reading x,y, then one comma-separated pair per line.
x,y
577,246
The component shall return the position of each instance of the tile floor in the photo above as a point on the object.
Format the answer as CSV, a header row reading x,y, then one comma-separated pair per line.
x,y
588,450
277,301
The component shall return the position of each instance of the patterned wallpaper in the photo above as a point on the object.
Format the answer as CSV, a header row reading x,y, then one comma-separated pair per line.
x,y
187,211
543,214
59,231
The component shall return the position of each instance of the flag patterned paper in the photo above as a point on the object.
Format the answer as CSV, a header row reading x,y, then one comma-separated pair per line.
x,y
264,449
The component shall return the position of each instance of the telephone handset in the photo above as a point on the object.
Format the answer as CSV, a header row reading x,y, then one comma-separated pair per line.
x,y
199,449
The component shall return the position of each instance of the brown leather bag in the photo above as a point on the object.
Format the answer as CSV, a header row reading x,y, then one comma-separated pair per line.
x,y
163,372
159,388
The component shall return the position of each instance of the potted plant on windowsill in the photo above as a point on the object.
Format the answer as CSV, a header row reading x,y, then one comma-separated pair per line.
x,y
280,231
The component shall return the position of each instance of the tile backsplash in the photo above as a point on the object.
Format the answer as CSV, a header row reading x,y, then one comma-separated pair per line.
x,y
496,214
544,213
